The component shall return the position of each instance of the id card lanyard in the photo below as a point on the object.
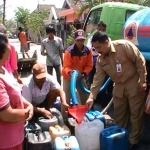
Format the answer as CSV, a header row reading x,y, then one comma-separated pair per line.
x,y
118,65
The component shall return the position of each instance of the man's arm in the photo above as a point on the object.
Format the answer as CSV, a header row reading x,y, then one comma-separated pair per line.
x,y
26,93
135,55
67,65
43,49
98,80
61,50
61,56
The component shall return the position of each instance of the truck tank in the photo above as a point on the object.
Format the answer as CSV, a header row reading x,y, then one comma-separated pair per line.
x,y
137,30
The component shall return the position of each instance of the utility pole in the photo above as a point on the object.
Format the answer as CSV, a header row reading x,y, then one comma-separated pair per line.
x,y
4,11
38,6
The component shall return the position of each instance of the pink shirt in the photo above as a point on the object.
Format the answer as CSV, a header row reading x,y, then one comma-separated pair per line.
x,y
11,134
11,63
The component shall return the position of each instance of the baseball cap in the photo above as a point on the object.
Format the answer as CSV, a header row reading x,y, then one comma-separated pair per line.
x,y
3,29
79,34
39,71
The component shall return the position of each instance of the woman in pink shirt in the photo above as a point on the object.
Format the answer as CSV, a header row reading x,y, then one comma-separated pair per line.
x,y
11,64
14,109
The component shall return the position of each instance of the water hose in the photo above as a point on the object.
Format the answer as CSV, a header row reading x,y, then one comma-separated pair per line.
x,y
107,107
73,82
105,85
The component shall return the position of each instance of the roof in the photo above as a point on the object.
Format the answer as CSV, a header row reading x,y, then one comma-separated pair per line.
x,y
67,12
57,3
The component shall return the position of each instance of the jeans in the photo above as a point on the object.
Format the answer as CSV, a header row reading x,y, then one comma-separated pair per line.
x,y
58,72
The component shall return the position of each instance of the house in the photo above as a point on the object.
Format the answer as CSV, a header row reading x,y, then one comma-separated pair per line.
x,y
69,11
50,6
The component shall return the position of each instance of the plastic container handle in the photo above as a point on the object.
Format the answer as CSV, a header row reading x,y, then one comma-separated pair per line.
x,y
114,131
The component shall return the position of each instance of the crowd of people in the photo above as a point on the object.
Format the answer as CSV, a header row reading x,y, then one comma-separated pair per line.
x,y
101,57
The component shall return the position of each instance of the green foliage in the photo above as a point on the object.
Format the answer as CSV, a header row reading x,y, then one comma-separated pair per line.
x,y
35,21
10,25
70,38
1,16
21,16
87,4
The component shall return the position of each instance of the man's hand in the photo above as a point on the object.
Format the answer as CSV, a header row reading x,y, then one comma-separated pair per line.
x,y
47,113
89,103
65,105
147,107
29,110
147,104
81,76
19,81
43,53
143,87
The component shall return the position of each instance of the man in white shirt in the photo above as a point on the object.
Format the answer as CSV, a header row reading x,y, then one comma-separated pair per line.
x,y
52,48
42,90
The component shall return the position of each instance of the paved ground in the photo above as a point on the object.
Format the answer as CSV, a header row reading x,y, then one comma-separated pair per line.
x,y
33,47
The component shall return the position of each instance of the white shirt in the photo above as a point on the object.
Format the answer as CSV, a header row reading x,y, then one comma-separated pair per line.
x,y
52,49
89,45
33,94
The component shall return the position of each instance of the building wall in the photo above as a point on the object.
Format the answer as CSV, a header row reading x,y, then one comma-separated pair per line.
x,y
71,18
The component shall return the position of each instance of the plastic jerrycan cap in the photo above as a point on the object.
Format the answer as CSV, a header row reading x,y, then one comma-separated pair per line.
x,y
78,112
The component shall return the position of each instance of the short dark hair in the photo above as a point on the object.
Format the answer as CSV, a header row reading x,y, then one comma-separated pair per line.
x,y
3,44
100,37
50,29
20,28
103,24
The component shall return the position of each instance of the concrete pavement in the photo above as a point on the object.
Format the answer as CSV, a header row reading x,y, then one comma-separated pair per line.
x,y
33,47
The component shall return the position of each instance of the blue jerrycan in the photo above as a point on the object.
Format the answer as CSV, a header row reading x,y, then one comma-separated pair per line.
x,y
114,138
66,143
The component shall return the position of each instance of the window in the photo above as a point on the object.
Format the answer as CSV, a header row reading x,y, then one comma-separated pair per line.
x,y
92,21
129,13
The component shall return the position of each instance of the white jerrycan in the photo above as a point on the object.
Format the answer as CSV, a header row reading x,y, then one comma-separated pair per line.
x,y
87,134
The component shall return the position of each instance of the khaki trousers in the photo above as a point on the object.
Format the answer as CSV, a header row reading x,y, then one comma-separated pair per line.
x,y
130,109
82,96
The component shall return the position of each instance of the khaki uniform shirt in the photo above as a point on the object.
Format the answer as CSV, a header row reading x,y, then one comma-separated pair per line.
x,y
133,69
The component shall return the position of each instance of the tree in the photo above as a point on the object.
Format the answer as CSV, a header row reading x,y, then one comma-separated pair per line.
x,y
87,4
36,22
21,16
1,16
10,25
70,38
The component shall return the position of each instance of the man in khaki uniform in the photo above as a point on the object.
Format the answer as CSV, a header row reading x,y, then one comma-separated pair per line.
x,y
124,63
